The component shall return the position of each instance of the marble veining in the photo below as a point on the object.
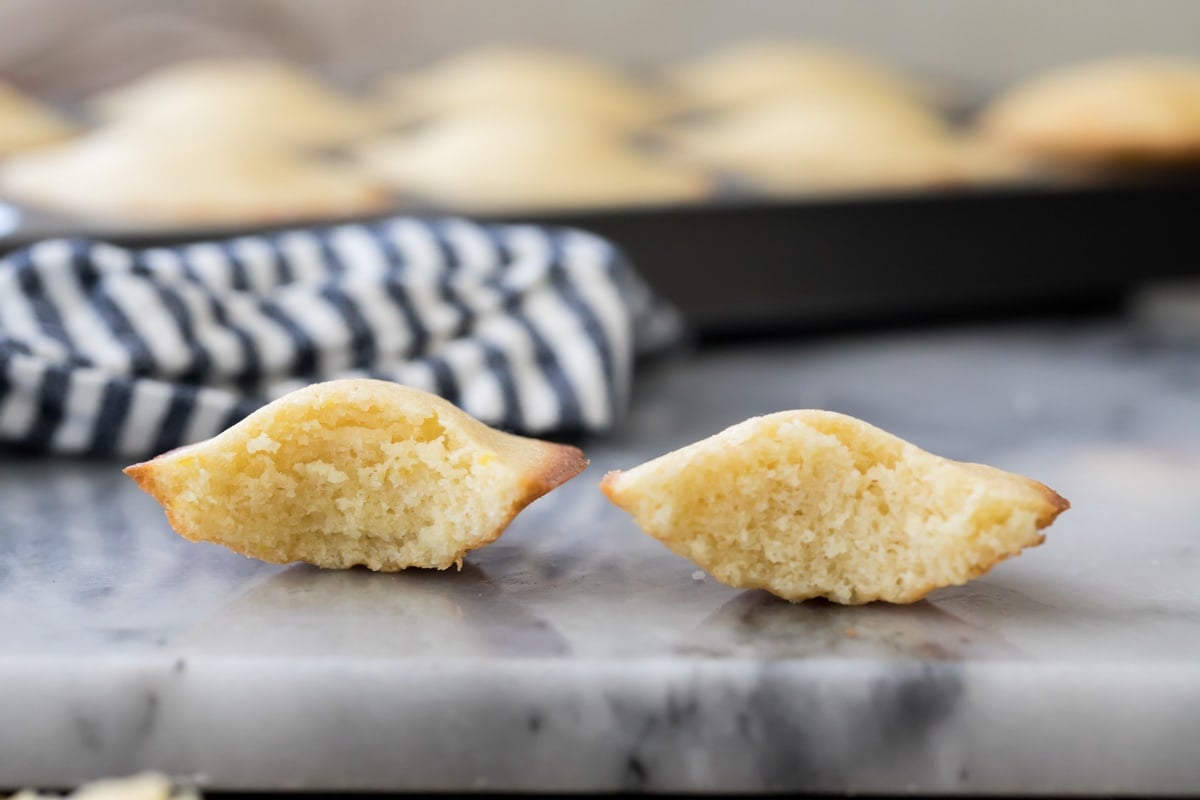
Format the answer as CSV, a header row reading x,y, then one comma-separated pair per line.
x,y
578,654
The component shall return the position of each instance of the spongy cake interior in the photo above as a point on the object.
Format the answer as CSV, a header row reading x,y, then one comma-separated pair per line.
x,y
320,479
811,504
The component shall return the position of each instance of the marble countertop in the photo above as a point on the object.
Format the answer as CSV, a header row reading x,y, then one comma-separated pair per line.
x,y
577,654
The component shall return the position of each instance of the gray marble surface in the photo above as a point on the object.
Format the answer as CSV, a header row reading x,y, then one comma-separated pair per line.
x,y
576,653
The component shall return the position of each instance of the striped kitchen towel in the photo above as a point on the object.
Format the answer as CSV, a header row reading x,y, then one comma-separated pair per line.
x,y
106,350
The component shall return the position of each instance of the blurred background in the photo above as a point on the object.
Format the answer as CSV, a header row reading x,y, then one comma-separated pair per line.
x,y
984,43
885,161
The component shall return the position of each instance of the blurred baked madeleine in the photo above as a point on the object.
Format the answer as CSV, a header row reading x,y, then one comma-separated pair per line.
x,y
136,176
504,161
1122,110
756,71
271,101
25,123
796,146
515,78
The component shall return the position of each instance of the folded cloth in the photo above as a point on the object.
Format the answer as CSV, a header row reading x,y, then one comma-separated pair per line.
x,y
106,350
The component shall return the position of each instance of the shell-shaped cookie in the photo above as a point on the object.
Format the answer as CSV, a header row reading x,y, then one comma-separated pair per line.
x,y
797,145
502,161
355,472
135,175
24,123
817,504
1131,109
269,100
522,78
764,70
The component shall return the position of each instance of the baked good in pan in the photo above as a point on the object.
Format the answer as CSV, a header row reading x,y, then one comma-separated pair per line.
x,y
25,123
757,71
817,504
799,145
269,100
506,161
1121,110
144,786
354,472
522,78
134,176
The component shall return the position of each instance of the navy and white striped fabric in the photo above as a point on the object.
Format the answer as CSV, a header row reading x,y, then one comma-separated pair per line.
x,y
106,350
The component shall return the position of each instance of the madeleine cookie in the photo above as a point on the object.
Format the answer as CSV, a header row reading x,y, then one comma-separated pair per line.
x,y
25,124
512,161
801,145
511,78
816,504
268,100
146,786
1131,109
133,175
759,71
355,472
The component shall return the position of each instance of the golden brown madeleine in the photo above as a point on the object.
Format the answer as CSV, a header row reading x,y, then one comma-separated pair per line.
x,y
25,123
143,786
750,72
796,146
353,472
817,504
1121,110
503,160
138,175
523,79
272,101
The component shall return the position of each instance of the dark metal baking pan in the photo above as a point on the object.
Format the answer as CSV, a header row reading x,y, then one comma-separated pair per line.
x,y
819,263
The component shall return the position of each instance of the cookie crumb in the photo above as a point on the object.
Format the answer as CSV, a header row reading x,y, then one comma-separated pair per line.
x,y
851,633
